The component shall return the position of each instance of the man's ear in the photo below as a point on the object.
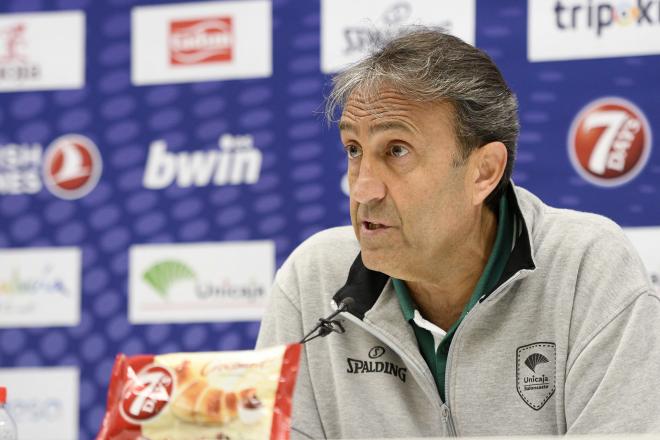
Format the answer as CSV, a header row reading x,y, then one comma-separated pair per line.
x,y
487,166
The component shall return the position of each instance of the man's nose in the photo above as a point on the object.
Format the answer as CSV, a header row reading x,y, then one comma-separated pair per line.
x,y
368,187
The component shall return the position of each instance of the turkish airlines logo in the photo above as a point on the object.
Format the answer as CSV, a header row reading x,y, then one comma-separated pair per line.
x,y
208,40
609,142
146,394
72,166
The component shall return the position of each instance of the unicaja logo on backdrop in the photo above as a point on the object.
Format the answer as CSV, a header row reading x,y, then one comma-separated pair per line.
x,y
172,276
609,142
600,16
200,282
236,162
207,40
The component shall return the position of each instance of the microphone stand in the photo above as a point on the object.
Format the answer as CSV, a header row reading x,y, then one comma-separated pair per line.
x,y
329,325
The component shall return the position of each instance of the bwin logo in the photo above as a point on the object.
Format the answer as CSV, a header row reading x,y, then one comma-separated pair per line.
x,y
237,161
600,16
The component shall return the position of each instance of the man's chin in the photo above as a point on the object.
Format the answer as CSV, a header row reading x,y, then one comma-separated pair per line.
x,y
378,261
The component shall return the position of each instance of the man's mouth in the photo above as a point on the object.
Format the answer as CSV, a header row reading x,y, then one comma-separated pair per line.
x,y
373,226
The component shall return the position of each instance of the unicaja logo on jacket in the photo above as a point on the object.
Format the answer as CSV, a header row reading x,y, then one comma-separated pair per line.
x,y
535,373
533,360
609,142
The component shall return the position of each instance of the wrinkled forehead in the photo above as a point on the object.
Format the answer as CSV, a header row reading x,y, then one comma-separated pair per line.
x,y
372,106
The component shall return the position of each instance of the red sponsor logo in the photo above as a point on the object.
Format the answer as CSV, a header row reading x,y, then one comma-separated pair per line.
x,y
72,166
609,142
15,65
146,394
13,43
208,40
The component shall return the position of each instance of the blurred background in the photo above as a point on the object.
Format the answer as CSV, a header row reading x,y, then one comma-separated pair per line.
x,y
160,160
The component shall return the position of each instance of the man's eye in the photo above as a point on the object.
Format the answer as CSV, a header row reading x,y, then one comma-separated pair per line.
x,y
398,151
353,151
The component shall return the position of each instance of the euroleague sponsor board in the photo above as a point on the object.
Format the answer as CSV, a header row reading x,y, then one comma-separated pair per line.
x,y
236,161
70,167
40,287
43,401
201,41
647,242
609,141
42,51
200,282
575,29
351,28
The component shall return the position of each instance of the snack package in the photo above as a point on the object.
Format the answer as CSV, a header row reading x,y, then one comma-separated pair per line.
x,y
237,395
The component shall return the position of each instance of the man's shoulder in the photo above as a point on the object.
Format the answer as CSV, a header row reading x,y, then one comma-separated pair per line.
x,y
562,223
591,246
588,262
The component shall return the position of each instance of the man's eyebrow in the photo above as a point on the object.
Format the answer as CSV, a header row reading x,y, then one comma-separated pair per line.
x,y
346,126
390,125
379,126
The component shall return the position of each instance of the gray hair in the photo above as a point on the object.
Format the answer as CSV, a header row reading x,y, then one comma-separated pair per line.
x,y
429,65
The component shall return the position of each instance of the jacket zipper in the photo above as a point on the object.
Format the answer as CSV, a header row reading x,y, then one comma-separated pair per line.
x,y
406,359
449,421
447,413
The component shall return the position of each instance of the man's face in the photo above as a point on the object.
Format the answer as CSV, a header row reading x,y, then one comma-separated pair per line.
x,y
409,199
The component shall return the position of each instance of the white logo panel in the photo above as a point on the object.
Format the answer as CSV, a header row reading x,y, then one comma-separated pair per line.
x,y
201,42
200,282
40,287
578,29
43,401
42,51
349,28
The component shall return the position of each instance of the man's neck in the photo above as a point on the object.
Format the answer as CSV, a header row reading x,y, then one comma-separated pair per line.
x,y
442,299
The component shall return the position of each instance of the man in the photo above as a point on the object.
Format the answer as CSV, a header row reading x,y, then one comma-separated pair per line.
x,y
476,309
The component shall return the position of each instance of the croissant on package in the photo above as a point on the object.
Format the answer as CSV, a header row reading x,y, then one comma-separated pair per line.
x,y
212,395
199,401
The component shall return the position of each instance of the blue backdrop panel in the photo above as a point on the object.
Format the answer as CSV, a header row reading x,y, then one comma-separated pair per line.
x,y
299,190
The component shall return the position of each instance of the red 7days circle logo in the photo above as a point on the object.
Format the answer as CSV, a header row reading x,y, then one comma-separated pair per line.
x,y
609,142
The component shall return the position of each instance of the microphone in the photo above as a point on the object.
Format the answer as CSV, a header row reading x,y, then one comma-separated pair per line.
x,y
327,325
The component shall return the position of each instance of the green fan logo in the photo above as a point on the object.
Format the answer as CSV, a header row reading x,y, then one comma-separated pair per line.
x,y
161,276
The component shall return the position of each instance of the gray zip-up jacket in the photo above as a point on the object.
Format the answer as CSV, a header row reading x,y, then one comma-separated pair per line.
x,y
567,342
